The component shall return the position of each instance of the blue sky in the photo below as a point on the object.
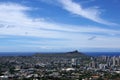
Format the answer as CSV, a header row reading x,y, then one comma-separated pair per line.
x,y
59,25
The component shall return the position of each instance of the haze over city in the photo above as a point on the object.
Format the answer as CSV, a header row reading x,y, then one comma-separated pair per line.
x,y
59,25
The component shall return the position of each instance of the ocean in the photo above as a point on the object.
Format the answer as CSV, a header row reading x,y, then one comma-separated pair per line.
x,y
103,53
16,53
32,53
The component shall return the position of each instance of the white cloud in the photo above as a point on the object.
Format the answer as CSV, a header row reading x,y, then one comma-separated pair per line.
x,y
91,13
15,21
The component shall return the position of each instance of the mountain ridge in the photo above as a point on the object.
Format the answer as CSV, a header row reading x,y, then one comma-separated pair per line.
x,y
73,54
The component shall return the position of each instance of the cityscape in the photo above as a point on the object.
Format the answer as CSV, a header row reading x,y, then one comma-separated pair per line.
x,y
59,39
60,66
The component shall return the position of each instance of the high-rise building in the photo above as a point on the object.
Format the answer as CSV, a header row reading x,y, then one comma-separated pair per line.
x,y
73,61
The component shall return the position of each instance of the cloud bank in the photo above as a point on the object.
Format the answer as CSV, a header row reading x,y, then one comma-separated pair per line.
x,y
14,21
90,13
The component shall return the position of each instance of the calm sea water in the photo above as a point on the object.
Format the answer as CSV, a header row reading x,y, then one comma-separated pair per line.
x,y
16,53
31,53
103,53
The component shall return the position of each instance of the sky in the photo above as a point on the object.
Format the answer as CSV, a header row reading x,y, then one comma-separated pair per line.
x,y
59,25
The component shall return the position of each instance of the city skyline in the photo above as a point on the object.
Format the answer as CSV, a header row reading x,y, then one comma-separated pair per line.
x,y
59,25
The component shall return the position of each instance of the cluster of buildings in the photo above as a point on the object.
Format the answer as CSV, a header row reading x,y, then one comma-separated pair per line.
x,y
59,68
105,62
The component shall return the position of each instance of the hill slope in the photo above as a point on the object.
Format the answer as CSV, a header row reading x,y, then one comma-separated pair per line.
x,y
73,54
